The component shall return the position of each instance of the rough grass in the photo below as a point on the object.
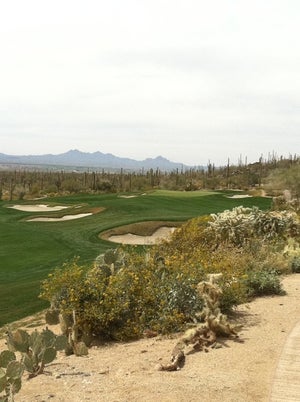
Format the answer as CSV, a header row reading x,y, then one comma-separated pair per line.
x,y
30,250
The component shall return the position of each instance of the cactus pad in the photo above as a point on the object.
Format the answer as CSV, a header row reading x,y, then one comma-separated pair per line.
x,y
14,370
5,357
51,316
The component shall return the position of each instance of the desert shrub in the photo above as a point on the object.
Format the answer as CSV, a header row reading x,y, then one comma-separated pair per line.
x,y
240,224
178,299
106,186
235,243
234,292
122,303
123,294
267,256
188,238
259,283
295,265
292,253
65,284
72,185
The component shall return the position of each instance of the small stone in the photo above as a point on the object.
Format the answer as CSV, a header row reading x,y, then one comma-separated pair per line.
x,y
104,371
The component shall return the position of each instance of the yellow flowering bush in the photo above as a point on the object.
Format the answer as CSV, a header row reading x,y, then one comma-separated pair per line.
x,y
239,244
120,305
123,294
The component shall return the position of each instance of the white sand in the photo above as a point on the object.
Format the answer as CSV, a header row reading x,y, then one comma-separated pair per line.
x,y
240,196
63,218
38,208
131,196
129,238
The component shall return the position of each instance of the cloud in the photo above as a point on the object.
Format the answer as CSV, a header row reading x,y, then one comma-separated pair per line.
x,y
191,80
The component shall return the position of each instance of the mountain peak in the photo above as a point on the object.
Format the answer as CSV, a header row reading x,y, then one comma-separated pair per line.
x,y
75,158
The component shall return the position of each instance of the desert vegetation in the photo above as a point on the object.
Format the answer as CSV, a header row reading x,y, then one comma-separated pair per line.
x,y
31,249
277,173
210,265
125,293
225,251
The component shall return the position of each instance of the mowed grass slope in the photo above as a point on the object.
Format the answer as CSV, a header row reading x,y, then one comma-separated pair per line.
x,y
30,250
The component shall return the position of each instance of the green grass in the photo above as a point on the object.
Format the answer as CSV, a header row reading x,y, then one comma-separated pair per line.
x,y
30,250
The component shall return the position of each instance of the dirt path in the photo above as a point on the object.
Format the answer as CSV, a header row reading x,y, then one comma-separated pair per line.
x,y
286,385
238,372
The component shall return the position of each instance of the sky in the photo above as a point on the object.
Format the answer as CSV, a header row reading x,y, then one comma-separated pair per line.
x,y
195,81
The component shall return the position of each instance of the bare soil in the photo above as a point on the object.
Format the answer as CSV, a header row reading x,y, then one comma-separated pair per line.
x,y
240,371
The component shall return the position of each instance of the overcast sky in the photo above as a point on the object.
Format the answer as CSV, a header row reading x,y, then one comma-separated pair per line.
x,y
192,80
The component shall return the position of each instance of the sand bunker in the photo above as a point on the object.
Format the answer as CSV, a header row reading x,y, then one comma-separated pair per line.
x,y
131,196
63,218
38,208
160,234
240,196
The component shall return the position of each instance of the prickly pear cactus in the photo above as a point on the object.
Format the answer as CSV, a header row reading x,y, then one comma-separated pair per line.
x,y
80,349
75,345
111,261
11,372
18,341
52,316
66,322
37,349
74,339
5,357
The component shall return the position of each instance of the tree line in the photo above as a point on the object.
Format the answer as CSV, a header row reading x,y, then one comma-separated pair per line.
x,y
26,182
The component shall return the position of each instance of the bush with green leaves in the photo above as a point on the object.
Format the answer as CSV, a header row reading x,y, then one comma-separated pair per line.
x,y
292,253
295,265
236,243
259,283
124,294
121,303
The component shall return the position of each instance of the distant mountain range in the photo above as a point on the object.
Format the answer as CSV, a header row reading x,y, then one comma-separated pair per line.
x,y
77,159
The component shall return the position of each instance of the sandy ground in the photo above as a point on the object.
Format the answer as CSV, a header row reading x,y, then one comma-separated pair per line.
x,y
46,208
127,372
63,218
240,196
129,238
127,196
38,208
131,196
286,384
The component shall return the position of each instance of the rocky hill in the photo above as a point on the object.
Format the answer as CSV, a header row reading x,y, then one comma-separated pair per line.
x,y
75,158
